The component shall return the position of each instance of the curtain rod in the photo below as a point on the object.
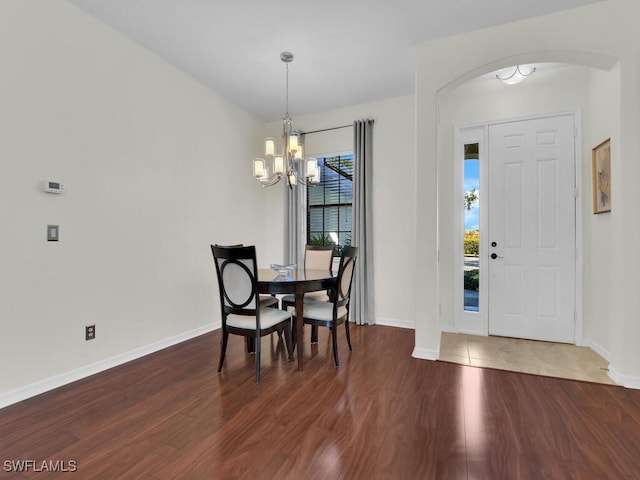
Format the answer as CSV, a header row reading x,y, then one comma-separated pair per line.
x,y
334,128
327,129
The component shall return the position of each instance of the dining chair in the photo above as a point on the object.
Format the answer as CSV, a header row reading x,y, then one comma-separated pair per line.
x,y
336,311
242,314
316,257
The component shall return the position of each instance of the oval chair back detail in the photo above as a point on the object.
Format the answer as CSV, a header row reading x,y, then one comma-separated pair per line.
x,y
336,311
265,300
240,306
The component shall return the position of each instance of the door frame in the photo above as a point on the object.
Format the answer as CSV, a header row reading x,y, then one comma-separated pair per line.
x,y
477,323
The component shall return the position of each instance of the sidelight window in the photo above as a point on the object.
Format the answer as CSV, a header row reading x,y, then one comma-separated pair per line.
x,y
471,227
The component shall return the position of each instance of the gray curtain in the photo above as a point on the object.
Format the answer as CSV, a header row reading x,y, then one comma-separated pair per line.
x,y
362,306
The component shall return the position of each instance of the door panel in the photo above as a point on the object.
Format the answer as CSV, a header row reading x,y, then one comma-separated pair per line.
x,y
532,222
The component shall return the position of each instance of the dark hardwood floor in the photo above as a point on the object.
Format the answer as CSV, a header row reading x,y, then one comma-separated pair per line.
x,y
381,415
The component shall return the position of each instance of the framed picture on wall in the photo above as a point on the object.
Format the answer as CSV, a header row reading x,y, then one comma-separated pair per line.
x,y
601,172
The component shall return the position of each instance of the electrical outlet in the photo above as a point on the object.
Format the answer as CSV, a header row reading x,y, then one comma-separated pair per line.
x,y
89,332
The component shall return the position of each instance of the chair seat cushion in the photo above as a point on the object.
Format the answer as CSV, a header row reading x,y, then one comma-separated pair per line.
x,y
268,300
308,297
322,311
268,318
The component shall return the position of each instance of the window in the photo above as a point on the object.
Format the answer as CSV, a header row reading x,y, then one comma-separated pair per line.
x,y
471,227
329,203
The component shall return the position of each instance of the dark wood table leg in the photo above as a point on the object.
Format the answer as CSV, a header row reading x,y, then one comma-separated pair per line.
x,y
299,325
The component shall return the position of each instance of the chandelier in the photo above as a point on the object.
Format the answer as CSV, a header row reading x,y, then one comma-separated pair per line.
x,y
289,162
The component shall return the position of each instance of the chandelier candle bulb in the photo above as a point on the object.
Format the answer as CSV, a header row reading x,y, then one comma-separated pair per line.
x,y
258,168
293,143
269,146
278,164
312,168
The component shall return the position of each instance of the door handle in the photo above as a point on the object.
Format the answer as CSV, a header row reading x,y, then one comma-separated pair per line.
x,y
495,255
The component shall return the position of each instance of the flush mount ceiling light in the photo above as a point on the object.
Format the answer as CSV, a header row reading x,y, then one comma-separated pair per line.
x,y
290,163
519,73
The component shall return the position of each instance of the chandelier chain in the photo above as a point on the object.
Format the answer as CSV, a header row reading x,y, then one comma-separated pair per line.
x,y
286,109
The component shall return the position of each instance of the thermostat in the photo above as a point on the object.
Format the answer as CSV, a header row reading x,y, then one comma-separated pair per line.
x,y
53,186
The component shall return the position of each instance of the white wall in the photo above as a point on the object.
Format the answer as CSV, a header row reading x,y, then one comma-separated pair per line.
x,y
565,37
393,202
156,168
599,244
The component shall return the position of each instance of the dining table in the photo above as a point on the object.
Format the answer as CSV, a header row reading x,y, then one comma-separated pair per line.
x,y
296,282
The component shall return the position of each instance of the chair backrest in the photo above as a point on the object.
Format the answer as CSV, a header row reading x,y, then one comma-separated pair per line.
x,y
237,272
318,257
345,276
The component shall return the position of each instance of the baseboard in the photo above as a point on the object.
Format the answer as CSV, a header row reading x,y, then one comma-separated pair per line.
x,y
424,354
51,383
599,349
628,381
391,322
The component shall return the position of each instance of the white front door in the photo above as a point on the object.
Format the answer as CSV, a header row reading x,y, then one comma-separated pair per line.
x,y
531,236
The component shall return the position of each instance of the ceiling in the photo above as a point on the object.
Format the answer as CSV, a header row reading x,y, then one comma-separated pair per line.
x,y
347,52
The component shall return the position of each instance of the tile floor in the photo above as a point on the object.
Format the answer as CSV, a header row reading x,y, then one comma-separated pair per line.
x,y
527,356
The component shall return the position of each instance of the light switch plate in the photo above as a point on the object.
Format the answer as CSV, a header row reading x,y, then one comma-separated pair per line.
x,y
53,233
